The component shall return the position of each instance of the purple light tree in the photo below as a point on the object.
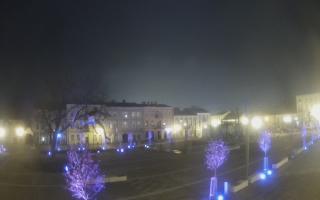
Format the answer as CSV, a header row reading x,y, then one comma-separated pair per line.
x,y
265,145
83,176
304,137
216,154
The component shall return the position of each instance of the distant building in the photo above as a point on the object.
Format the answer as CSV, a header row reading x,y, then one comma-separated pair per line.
x,y
281,123
304,106
191,123
121,122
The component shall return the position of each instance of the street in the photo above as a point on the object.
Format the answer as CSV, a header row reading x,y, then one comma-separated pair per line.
x,y
152,174
298,180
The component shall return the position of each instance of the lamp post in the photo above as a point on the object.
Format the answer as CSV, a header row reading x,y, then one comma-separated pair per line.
x,y
256,123
245,122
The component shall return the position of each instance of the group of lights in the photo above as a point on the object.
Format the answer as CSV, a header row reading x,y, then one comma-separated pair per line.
x,y
120,150
81,148
215,123
256,122
264,175
131,146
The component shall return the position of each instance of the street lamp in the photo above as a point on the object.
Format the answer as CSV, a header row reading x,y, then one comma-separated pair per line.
x,y
256,122
244,120
2,132
19,131
215,123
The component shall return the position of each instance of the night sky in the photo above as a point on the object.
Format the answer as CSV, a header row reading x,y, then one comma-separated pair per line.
x,y
215,54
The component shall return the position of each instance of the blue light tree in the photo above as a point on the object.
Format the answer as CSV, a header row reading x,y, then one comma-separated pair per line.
x,y
265,145
83,176
304,137
216,154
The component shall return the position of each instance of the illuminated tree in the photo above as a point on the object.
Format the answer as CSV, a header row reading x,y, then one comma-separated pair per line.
x,y
83,176
216,154
304,137
265,142
265,145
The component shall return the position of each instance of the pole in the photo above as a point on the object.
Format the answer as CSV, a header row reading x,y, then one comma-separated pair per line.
x,y
247,153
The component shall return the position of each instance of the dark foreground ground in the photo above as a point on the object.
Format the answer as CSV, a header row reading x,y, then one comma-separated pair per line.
x,y
153,175
299,179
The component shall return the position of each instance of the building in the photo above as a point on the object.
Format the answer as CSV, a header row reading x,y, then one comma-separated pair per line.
x,y
121,123
305,104
191,123
281,123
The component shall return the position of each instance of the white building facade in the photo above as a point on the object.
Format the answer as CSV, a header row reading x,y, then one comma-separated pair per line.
x,y
305,103
121,123
191,125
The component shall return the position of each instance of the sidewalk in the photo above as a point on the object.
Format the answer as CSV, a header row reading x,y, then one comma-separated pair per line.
x,y
299,179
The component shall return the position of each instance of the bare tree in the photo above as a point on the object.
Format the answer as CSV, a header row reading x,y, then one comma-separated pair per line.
x,y
54,114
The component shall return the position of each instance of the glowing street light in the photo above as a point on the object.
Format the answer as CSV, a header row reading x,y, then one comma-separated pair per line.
x,y
256,122
244,120
215,123
2,132
19,131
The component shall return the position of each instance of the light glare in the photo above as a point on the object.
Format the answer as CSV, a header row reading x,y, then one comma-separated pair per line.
x,y
19,131
256,122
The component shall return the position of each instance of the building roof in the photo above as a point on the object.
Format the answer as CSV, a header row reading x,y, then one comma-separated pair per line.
x,y
132,104
189,111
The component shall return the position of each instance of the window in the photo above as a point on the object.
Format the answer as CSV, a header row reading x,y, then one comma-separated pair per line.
x,y
72,139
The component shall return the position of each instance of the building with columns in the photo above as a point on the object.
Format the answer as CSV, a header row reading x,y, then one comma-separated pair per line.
x,y
121,123
191,123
